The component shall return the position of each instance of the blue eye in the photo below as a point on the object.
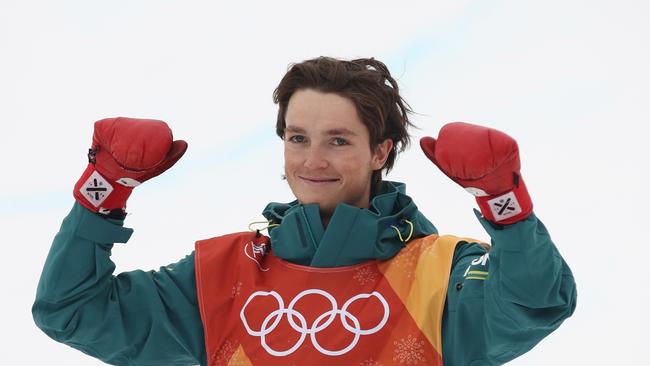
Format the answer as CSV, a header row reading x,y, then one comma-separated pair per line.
x,y
297,138
339,141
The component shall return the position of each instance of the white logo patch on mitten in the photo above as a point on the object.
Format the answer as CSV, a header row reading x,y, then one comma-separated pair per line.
x,y
96,189
504,206
477,192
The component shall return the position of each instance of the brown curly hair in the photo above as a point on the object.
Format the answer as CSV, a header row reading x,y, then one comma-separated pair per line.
x,y
368,84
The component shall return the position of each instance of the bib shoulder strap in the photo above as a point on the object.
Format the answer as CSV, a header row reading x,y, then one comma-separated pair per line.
x,y
419,274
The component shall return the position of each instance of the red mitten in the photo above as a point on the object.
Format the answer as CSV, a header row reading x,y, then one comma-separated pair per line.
x,y
485,162
125,152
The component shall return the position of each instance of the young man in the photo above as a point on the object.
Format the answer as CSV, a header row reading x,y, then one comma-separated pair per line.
x,y
352,273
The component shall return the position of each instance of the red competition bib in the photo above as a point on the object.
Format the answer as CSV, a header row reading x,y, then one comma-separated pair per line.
x,y
258,309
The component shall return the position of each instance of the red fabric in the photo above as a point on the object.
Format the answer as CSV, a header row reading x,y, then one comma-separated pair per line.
x,y
117,198
137,149
523,200
227,280
480,157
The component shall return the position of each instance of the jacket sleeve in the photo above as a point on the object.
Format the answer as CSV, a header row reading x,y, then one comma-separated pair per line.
x,y
502,303
134,318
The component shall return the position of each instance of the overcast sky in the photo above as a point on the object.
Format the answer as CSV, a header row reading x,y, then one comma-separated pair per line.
x,y
568,79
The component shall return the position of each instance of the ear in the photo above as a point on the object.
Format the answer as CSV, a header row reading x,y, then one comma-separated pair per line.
x,y
380,154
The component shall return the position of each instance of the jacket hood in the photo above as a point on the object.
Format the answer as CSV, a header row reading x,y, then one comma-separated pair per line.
x,y
353,235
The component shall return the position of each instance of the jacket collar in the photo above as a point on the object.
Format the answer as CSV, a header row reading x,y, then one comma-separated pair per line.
x,y
353,234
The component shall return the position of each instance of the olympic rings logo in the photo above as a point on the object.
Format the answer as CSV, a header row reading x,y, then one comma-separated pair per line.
x,y
323,321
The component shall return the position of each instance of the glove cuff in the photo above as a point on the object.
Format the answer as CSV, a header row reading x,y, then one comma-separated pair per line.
x,y
98,194
508,207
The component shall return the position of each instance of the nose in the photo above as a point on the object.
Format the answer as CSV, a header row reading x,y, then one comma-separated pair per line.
x,y
315,159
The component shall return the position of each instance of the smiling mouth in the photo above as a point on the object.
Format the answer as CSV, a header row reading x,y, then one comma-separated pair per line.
x,y
318,180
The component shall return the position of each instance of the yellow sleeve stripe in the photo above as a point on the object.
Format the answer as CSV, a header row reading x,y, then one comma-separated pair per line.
x,y
475,278
477,273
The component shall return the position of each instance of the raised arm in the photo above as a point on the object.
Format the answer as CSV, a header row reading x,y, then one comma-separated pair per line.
x,y
501,303
134,318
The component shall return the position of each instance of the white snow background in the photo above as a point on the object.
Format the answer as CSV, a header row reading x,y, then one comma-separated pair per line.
x,y
568,79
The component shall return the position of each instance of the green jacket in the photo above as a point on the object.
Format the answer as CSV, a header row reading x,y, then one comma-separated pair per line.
x,y
498,305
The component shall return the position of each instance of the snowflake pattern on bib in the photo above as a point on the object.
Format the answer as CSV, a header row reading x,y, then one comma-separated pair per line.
x,y
236,289
406,261
365,275
223,357
369,362
409,350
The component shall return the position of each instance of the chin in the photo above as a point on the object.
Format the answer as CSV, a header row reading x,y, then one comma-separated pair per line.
x,y
313,201
306,200
324,206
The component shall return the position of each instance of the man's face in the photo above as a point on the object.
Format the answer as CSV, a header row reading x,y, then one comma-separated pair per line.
x,y
327,156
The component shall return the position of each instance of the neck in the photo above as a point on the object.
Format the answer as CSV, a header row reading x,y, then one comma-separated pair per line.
x,y
325,217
